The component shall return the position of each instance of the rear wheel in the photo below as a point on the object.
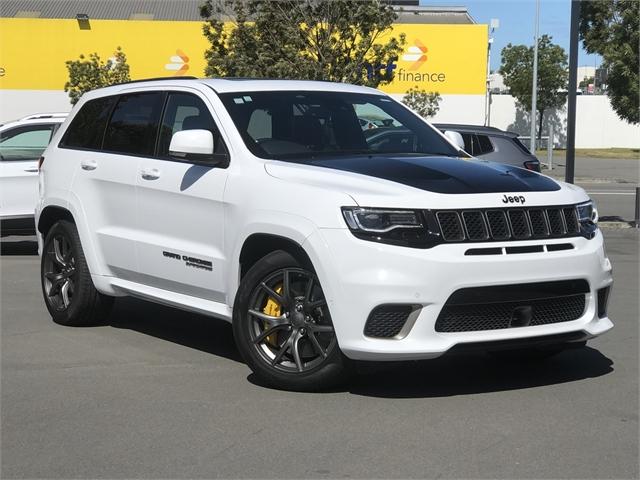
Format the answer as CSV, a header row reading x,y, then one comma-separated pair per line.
x,y
67,288
283,327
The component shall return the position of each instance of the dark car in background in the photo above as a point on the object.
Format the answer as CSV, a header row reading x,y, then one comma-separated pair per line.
x,y
493,144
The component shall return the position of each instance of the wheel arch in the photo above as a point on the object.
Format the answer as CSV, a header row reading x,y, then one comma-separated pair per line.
x,y
50,215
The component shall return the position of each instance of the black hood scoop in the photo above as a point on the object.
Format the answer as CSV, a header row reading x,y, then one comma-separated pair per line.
x,y
442,174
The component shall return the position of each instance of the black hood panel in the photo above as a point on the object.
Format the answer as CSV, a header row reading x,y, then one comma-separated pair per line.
x,y
443,174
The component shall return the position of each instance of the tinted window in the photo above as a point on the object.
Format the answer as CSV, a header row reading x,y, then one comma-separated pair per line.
x,y
134,124
485,144
468,142
186,112
292,124
24,143
87,127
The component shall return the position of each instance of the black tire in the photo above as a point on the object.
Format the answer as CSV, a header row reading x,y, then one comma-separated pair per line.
x,y
68,291
288,358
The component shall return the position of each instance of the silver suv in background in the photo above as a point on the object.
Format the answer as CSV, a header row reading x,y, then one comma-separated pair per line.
x,y
493,144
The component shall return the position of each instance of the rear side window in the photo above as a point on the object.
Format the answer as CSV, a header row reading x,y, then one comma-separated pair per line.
x,y
485,144
87,127
24,143
134,124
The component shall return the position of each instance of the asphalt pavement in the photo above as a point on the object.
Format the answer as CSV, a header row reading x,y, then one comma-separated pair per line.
x,y
159,393
610,182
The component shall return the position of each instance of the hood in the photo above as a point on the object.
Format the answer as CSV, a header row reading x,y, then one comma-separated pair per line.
x,y
425,182
443,174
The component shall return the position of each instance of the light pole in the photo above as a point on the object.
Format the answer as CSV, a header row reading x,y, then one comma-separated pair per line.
x,y
495,23
534,90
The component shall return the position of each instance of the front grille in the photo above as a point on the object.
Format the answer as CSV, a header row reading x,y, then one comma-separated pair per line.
x,y
386,321
512,306
507,224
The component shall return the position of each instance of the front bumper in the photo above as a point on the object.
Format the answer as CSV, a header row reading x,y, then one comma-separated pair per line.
x,y
359,275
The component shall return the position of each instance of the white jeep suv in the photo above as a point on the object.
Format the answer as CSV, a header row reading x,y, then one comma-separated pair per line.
x,y
261,202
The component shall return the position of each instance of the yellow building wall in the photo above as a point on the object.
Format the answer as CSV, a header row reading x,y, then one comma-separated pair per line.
x,y
449,59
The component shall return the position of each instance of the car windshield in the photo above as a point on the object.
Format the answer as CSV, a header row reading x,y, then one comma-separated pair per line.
x,y
297,125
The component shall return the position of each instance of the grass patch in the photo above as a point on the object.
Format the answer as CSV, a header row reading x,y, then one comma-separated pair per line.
x,y
618,153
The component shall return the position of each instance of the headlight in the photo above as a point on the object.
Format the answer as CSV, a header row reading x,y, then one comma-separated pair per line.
x,y
587,212
392,226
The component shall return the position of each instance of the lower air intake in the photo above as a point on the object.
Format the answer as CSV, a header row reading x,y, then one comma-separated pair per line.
x,y
512,306
386,321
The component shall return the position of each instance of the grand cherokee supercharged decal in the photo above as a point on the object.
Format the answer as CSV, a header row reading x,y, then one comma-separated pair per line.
x,y
190,261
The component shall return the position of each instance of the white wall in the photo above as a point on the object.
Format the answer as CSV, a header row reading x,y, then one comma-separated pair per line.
x,y
15,104
597,124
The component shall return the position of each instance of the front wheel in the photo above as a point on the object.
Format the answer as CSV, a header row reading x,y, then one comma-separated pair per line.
x,y
283,328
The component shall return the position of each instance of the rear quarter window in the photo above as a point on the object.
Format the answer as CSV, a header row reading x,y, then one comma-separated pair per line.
x,y
87,127
485,144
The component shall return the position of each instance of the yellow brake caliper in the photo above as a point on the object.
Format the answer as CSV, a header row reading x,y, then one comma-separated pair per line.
x,y
273,309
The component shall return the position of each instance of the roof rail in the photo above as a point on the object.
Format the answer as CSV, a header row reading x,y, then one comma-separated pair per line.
x,y
154,79
38,116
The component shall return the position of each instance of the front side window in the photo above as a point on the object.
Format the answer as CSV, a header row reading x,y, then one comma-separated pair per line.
x,y
25,143
134,124
185,111
88,126
296,125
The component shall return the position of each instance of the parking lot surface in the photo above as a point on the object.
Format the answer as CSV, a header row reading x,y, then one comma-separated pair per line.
x,y
158,393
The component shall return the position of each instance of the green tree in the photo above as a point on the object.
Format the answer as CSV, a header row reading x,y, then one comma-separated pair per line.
x,y
517,71
85,75
426,104
611,28
338,40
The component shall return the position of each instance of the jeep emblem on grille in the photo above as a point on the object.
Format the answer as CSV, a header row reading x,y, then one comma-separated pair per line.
x,y
516,199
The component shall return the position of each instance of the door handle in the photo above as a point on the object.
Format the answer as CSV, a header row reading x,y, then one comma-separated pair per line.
x,y
31,169
150,173
89,164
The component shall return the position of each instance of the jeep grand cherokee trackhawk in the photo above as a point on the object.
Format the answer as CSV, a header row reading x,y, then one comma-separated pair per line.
x,y
261,202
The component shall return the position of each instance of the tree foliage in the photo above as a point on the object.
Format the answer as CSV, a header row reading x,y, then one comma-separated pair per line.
x,y
85,75
426,104
334,40
517,71
611,28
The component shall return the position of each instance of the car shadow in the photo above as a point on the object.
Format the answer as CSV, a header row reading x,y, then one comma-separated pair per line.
x,y
19,247
467,374
476,373
207,334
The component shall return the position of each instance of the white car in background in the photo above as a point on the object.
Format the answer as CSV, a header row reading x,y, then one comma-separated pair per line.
x,y
21,145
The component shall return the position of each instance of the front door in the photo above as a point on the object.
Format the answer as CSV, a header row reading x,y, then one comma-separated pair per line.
x,y
180,208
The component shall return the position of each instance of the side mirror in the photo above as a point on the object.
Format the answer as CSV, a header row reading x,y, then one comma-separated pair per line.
x,y
455,138
195,146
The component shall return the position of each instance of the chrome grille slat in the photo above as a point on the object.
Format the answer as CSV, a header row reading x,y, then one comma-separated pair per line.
x,y
507,224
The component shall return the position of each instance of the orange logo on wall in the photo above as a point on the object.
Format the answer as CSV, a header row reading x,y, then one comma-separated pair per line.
x,y
179,63
416,53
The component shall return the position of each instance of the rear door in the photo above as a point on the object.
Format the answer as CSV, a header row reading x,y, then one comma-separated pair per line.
x,y
20,149
180,208
109,151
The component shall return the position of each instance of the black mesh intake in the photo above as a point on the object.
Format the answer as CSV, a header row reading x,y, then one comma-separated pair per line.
x,y
556,223
475,225
498,225
519,224
571,220
603,300
451,226
512,306
538,223
386,321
